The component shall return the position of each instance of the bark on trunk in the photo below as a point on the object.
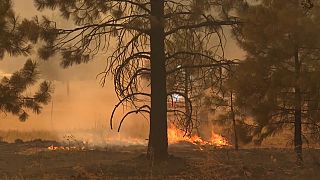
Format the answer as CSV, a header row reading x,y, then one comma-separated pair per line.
x,y
186,92
158,138
297,110
233,116
68,88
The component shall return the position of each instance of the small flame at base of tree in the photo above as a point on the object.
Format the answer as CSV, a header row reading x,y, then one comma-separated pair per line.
x,y
176,135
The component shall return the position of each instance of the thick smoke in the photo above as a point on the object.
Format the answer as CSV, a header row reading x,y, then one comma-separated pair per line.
x,y
79,106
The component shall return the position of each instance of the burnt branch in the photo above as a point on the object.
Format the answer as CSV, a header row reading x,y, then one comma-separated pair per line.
x,y
194,44
127,98
140,110
186,122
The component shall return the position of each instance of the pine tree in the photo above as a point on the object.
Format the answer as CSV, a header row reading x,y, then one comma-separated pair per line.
x,y
15,41
141,31
277,82
12,92
229,116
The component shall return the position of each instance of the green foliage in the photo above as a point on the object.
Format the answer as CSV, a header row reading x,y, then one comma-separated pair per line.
x,y
264,83
12,98
11,39
17,36
12,90
15,39
81,12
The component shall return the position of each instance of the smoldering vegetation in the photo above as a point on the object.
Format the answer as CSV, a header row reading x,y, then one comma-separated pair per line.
x,y
218,112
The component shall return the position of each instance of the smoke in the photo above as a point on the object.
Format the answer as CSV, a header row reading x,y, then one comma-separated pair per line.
x,y
80,106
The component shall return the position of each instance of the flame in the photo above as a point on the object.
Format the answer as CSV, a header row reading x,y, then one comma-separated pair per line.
x,y
175,135
65,148
218,140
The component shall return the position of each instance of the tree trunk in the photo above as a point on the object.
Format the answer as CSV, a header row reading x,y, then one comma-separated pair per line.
x,y
186,92
233,116
297,110
68,88
158,138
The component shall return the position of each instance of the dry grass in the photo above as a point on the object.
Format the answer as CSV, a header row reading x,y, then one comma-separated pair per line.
x,y
32,160
188,162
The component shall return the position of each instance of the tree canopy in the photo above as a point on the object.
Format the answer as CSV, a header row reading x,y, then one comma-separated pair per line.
x,y
277,84
136,35
12,92
15,39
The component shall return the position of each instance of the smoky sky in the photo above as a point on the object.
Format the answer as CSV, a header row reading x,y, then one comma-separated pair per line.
x,y
50,69
79,101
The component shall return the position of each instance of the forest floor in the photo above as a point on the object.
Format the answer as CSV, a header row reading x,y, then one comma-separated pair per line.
x,y
33,160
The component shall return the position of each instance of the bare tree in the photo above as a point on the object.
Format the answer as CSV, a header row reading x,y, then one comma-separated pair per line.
x,y
141,31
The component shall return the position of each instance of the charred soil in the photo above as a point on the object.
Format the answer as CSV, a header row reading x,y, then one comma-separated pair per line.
x,y
33,160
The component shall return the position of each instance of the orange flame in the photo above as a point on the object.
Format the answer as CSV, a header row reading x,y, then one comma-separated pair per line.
x,y
175,135
218,140
66,148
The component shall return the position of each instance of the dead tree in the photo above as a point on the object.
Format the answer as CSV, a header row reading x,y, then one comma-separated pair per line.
x,y
142,30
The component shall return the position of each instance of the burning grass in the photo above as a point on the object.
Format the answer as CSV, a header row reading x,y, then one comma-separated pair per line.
x,y
175,136
120,157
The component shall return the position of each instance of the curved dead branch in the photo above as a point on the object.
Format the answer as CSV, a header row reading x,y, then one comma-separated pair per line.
x,y
194,45
187,124
122,101
140,110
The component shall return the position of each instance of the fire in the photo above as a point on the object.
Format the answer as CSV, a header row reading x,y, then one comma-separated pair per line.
x,y
218,140
175,135
66,148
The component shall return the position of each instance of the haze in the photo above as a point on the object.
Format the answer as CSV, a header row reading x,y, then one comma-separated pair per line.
x,y
87,104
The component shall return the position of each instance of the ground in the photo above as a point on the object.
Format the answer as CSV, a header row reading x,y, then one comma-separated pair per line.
x,y
33,160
